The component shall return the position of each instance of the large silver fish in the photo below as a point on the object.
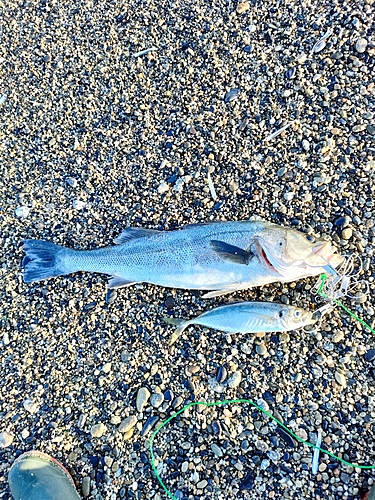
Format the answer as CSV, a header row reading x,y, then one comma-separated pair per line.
x,y
249,317
218,256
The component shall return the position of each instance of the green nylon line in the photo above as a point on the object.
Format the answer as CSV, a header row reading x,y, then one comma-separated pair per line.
x,y
339,303
237,401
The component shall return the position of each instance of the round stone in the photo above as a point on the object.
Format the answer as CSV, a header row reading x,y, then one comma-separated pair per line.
x,y
340,378
128,423
235,380
22,212
370,355
107,367
291,73
86,486
261,349
157,400
361,45
202,484
242,7
143,395
6,439
342,221
169,302
347,233
98,430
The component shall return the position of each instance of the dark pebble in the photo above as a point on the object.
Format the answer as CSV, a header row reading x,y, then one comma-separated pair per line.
x,y
248,48
286,469
110,296
291,73
172,179
342,221
136,446
149,424
168,395
188,384
169,302
286,437
47,58
370,355
89,306
221,374
371,129
245,445
256,459
216,427
275,441
247,482
267,396
94,460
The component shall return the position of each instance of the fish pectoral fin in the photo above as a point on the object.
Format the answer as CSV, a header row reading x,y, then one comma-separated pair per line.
x,y
116,282
218,293
132,233
231,253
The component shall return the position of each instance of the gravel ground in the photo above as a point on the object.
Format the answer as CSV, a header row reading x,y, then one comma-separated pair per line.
x,y
95,137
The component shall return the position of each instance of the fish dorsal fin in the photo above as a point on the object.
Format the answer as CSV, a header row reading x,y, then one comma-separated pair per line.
x,y
132,233
200,224
231,253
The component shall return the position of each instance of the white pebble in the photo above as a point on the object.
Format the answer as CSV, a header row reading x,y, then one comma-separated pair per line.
x,y
235,380
79,204
142,398
30,406
22,212
340,379
361,45
98,430
289,196
163,187
6,439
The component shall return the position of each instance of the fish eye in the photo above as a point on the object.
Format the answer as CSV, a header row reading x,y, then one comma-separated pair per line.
x,y
281,314
297,314
310,238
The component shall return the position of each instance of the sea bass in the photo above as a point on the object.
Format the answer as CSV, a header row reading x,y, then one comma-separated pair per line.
x,y
248,317
218,256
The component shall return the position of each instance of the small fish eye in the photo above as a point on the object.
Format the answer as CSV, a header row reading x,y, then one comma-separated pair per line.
x,y
281,314
298,314
280,244
310,238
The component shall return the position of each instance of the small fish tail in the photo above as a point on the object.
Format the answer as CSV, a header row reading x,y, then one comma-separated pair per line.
x,y
181,325
40,261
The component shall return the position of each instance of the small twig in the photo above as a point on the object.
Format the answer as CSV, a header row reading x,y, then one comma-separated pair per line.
x,y
277,132
144,52
211,186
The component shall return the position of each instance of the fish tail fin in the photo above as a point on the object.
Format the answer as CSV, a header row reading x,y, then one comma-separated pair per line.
x,y
181,325
41,260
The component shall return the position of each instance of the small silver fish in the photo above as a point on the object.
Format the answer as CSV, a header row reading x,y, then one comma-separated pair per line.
x,y
248,317
219,256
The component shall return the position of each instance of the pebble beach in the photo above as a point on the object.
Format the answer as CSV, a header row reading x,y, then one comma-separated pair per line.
x,y
158,115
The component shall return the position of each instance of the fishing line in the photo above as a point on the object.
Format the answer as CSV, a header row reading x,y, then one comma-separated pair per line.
x,y
323,278
237,401
320,292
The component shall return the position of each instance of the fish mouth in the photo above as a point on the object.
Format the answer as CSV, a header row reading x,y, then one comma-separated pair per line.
x,y
262,255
